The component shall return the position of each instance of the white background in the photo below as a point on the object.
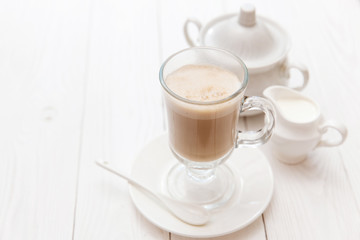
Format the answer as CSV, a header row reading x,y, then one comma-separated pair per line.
x,y
79,81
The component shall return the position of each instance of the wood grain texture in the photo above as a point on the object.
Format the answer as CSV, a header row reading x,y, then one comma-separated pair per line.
x,y
252,232
42,67
123,111
338,70
312,200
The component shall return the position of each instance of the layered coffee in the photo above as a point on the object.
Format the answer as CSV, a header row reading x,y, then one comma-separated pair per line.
x,y
203,127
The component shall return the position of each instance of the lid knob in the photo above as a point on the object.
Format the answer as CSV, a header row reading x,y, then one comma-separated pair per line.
x,y
247,15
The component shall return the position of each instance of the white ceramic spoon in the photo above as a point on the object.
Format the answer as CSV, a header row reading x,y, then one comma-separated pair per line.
x,y
186,212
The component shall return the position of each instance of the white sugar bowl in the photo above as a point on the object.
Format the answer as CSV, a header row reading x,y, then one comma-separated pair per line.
x,y
261,43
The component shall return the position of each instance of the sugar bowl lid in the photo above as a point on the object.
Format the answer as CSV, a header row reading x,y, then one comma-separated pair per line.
x,y
258,41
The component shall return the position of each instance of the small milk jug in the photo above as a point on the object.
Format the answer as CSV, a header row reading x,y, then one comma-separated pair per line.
x,y
300,126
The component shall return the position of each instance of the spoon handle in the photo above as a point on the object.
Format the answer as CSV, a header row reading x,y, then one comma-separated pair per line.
x,y
124,176
187,212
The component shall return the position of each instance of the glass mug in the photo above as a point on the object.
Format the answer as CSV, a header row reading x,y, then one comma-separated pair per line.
x,y
203,134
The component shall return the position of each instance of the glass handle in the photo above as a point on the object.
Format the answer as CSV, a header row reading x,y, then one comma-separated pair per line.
x,y
259,137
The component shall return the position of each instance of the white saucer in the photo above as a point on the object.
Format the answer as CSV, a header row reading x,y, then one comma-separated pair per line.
x,y
254,180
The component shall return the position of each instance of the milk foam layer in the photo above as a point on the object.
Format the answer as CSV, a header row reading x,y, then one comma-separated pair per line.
x,y
202,83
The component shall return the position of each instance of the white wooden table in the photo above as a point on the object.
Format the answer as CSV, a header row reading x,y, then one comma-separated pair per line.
x,y
79,81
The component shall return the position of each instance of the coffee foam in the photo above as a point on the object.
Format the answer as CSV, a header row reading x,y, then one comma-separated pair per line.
x,y
203,83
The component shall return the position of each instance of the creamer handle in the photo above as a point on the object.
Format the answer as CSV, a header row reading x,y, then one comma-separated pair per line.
x,y
330,124
197,23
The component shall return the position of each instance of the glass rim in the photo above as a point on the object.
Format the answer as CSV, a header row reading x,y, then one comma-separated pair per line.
x,y
235,94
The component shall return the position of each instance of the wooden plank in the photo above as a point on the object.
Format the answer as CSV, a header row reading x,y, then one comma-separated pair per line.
x,y
312,200
337,70
42,66
123,111
250,232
